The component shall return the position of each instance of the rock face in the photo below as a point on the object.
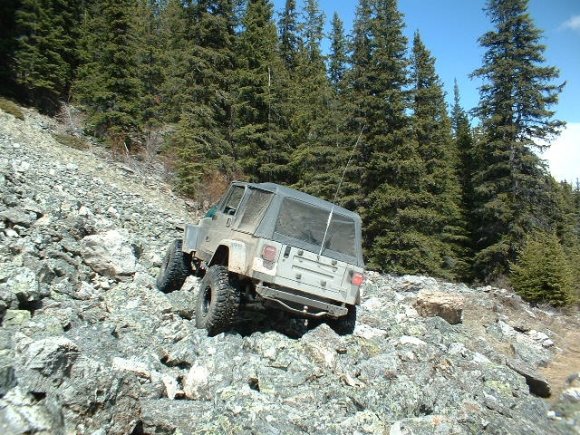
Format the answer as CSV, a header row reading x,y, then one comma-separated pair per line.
x,y
89,346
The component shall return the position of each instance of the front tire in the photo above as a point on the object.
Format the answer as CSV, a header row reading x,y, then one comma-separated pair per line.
x,y
217,302
344,325
176,267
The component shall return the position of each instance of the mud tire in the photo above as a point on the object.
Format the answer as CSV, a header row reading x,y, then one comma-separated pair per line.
x,y
175,268
217,301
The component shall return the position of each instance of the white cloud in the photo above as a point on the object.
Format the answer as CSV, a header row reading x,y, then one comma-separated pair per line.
x,y
572,23
563,156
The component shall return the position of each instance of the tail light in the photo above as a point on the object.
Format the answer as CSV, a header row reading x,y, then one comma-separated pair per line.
x,y
357,279
269,253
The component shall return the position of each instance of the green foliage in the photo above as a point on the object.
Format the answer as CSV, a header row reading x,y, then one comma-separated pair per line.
x,y
542,272
432,131
11,108
258,136
107,84
45,53
510,185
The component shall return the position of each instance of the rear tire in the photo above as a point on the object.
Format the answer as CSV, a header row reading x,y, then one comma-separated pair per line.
x,y
217,302
176,267
344,325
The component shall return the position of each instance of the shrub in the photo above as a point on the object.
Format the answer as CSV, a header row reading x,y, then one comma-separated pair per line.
x,y
11,108
542,272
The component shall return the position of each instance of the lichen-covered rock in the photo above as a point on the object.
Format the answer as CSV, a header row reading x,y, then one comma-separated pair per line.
x,y
89,346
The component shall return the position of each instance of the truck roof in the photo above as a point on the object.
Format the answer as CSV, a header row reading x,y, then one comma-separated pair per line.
x,y
285,191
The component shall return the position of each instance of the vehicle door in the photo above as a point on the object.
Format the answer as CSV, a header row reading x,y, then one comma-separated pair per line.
x,y
221,222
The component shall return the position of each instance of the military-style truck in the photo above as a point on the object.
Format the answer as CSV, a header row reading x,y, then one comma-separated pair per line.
x,y
272,245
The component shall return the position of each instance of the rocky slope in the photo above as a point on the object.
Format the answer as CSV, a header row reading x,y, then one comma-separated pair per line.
x,y
88,345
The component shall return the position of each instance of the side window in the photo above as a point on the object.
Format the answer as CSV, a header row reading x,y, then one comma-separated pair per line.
x,y
254,210
233,200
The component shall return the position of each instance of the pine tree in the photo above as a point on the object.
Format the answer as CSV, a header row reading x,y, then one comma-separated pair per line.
x,y
542,272
45,55
510,182
432,131
259,117
108,85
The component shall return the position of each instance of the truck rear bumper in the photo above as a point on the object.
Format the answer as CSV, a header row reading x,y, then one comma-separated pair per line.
x,y
290,301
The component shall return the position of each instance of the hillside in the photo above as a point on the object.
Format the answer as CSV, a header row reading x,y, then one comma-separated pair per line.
x,y
88,345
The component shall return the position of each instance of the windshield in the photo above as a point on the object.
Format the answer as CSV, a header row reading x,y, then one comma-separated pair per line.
x,y
304,222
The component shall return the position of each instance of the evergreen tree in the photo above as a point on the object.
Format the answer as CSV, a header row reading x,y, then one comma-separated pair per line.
x,y
175,42
338,59
542,272
432,131
323,153
202,140
8,44
464,145
108,85
290,42
510,182
259,117
397,237
45,55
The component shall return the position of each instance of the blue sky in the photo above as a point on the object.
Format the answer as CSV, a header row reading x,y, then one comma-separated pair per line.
x,y
450,29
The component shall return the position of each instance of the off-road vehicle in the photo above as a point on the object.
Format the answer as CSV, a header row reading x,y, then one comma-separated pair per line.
x,y
269,244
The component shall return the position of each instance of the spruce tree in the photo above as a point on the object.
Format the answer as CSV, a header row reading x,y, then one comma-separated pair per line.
x,y
108,83
432,131
338,58
289,35
464,145
45,54
259,116
396,235
8,42
542,272
202,141
514,107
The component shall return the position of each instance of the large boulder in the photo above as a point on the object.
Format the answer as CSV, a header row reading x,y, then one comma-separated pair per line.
x,y
445,305
109,254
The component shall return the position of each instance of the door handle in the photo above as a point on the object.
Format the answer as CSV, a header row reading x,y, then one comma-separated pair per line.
x,y
228,222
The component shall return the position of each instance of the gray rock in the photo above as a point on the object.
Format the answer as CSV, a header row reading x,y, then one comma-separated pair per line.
x,y
22,413
109,254
537,383
18,217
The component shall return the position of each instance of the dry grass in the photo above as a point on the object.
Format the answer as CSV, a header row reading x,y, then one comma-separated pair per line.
x,y
11,108
71,141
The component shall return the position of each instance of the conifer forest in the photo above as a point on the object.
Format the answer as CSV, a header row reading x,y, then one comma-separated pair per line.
x,y
231,89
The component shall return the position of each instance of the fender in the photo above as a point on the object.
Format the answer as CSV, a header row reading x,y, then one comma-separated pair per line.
x,y
190,238
237,255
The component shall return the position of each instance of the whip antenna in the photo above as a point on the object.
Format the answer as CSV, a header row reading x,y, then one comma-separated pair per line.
x,y
338,190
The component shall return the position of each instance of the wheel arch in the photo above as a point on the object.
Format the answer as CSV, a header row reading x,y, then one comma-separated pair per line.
x,y
230,253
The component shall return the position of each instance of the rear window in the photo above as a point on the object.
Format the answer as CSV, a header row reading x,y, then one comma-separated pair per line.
x,y
304,222
257,204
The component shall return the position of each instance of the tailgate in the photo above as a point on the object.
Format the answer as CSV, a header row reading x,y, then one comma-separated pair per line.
x,y
309,271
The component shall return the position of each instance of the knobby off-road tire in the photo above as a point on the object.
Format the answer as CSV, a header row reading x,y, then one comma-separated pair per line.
x,y
175,268
217,302
344,325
